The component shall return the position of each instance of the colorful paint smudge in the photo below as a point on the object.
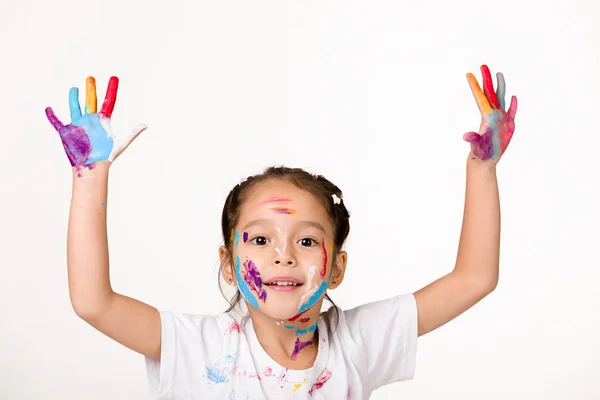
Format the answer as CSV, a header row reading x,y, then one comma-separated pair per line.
x,y
88,139
276,200
498,125
321,380
283,210
234,327
324,269
310,329
252,278
243,286
217,375
298,346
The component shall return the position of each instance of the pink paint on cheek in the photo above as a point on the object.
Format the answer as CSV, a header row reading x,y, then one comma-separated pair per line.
x,y
324,270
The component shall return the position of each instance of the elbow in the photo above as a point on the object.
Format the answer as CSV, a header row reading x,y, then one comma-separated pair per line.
x,y
88,309
489,285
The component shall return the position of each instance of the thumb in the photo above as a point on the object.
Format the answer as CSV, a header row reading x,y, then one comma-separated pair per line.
x,y
126,141
472,137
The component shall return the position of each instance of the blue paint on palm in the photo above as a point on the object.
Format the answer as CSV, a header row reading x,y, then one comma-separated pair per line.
x,y
493,120
243,285
102,143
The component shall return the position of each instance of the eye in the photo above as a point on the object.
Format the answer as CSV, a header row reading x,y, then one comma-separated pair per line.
x,y
260,241
307,242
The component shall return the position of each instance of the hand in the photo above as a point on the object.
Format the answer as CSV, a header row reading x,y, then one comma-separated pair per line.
x,y
88,139
497,125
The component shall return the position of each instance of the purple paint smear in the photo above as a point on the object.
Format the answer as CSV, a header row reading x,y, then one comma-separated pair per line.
x,y
252,278
77,144
483,144
299,346
245,237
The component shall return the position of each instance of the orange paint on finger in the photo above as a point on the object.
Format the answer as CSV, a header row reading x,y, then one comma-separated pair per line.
x,y
91,102
482,101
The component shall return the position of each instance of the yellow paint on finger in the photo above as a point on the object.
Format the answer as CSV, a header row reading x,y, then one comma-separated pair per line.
x,y
91,101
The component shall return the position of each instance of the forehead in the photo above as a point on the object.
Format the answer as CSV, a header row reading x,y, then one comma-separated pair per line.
x,y
269,197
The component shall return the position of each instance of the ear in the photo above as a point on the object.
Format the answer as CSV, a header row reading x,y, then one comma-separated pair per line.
x,y
337,276
226,267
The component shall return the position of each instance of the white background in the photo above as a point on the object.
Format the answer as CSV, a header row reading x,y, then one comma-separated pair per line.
x,y
371,94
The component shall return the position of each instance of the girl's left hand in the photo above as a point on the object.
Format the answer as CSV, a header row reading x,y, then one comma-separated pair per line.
x,y
497,125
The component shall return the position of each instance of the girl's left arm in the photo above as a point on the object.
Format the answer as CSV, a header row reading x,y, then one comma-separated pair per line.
x,y
475,274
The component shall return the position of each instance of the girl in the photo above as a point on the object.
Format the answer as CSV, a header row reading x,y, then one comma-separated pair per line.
x,y
283,233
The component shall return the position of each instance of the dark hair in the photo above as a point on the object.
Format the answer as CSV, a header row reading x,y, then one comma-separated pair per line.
x,y
320,187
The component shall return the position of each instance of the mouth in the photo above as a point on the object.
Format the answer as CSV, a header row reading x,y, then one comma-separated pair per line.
x,y
283,284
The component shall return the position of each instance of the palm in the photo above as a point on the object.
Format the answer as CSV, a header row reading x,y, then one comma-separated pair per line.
x,y
497,124
88,138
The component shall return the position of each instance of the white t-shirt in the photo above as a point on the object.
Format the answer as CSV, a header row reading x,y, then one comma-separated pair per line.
x,y
215,357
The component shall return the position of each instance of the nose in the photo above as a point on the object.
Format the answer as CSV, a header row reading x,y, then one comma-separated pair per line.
x,y
284,260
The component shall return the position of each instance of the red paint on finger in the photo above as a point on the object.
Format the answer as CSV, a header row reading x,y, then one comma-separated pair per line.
x,y
488,87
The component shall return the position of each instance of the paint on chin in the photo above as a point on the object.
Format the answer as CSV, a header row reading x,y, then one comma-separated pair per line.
x,y
253,280
311,274
316,296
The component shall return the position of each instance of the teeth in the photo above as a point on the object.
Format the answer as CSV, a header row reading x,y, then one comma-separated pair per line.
x,y
284,283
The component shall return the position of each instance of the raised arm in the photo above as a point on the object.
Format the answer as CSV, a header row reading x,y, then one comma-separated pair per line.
x,y
91,148
475,274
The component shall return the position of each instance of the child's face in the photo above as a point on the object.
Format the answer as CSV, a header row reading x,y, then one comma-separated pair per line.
x,y
282,250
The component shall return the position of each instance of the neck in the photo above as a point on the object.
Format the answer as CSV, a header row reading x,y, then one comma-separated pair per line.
x,y
293,343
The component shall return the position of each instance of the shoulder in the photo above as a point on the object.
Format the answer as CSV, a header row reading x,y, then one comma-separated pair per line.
x,y
199,326
402,306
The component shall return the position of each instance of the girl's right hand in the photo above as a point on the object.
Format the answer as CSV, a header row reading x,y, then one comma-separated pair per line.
x,y
88,139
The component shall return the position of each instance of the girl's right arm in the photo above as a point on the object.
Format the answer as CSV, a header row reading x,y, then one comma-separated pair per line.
x,y
128,321
91,147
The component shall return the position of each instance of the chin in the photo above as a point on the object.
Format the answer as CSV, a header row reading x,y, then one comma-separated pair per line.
x,y
279,312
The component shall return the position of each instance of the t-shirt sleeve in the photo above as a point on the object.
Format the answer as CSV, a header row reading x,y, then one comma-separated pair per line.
x,y
385,333
183,352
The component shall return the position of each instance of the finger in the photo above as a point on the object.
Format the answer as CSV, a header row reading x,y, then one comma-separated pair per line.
x,y
53,120
482,101
512,110
91,102
111,97
472,137
117,150
501,90
488,86
74,104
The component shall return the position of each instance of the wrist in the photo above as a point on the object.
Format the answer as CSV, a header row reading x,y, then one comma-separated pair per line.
x,y
98,169
475,164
